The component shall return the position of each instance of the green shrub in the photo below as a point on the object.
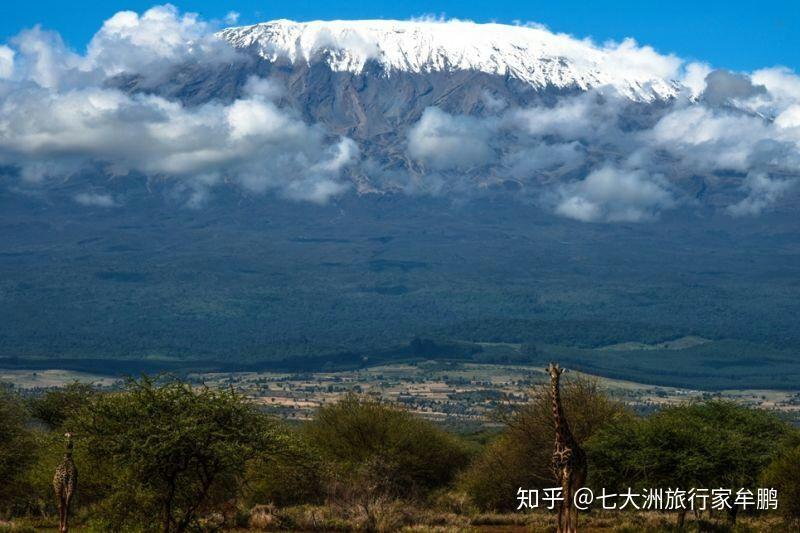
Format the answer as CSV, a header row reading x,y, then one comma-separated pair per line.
x,y
293,475
783,474
17,452
380,448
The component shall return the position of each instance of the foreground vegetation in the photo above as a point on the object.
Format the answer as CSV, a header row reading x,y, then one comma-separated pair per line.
x,y
162,455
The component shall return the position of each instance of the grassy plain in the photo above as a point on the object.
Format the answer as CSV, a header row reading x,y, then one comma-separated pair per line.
x,y
456,393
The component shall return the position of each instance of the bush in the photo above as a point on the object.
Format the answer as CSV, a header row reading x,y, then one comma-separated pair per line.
x,y
293,475
379,448
17,452
783,474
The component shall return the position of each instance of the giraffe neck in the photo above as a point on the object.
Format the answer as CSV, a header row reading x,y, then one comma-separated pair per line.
x,y
563,433
68,450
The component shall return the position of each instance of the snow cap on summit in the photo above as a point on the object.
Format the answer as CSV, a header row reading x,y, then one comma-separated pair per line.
x,y
531,54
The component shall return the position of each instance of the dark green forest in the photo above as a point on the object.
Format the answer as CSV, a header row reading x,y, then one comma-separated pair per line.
x,y
153,286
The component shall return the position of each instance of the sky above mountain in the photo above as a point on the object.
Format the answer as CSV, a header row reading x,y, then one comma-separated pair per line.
x,y
736,35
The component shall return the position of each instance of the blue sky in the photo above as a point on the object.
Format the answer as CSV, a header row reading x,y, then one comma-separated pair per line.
x,y
734,34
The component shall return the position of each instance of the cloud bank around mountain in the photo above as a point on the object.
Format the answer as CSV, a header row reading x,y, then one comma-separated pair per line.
x,y
597,157
57,116
592,157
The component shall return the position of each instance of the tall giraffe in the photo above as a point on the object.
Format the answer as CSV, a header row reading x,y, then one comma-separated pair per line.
x,y
65,481
569,460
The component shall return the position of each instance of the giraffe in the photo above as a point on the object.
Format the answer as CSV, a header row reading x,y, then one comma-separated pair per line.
x,y
569,460
65,481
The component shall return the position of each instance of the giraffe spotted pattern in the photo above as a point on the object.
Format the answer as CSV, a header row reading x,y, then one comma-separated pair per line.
x,y
65,482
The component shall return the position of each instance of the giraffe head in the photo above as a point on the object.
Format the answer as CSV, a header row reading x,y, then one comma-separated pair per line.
x,y
68,436
554,370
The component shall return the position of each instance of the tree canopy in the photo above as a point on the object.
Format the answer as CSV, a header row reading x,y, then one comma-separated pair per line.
x,y
170,450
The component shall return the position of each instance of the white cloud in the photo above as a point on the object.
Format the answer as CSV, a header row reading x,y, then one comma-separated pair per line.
x,y
789,118
57,116
694,77
611,194
232,17
492,103
781,83
146,45
708,139
530,160
262,87
734,124
601,137
762,192
249,141
633,61
595,156
346,47
95,199
571,118
704,139
445,141
129,42
43,58
6,62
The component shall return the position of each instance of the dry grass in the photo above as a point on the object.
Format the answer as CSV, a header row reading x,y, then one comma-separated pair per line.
x,y
394,515
263,517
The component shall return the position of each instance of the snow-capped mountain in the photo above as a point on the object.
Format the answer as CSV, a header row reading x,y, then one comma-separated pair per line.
x,y
532,55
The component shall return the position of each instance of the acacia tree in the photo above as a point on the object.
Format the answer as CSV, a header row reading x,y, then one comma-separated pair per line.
x,y
170,450
56,406
703,445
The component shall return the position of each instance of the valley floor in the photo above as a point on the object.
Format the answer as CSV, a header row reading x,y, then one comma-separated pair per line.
x,y
453,392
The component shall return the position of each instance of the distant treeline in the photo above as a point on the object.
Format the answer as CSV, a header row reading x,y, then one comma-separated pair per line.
x,y
711,366
418,349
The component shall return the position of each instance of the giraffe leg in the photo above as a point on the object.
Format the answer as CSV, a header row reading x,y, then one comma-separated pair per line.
x,y
560,526
67,501
568,510
574,518
566,490
60,514
565,502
